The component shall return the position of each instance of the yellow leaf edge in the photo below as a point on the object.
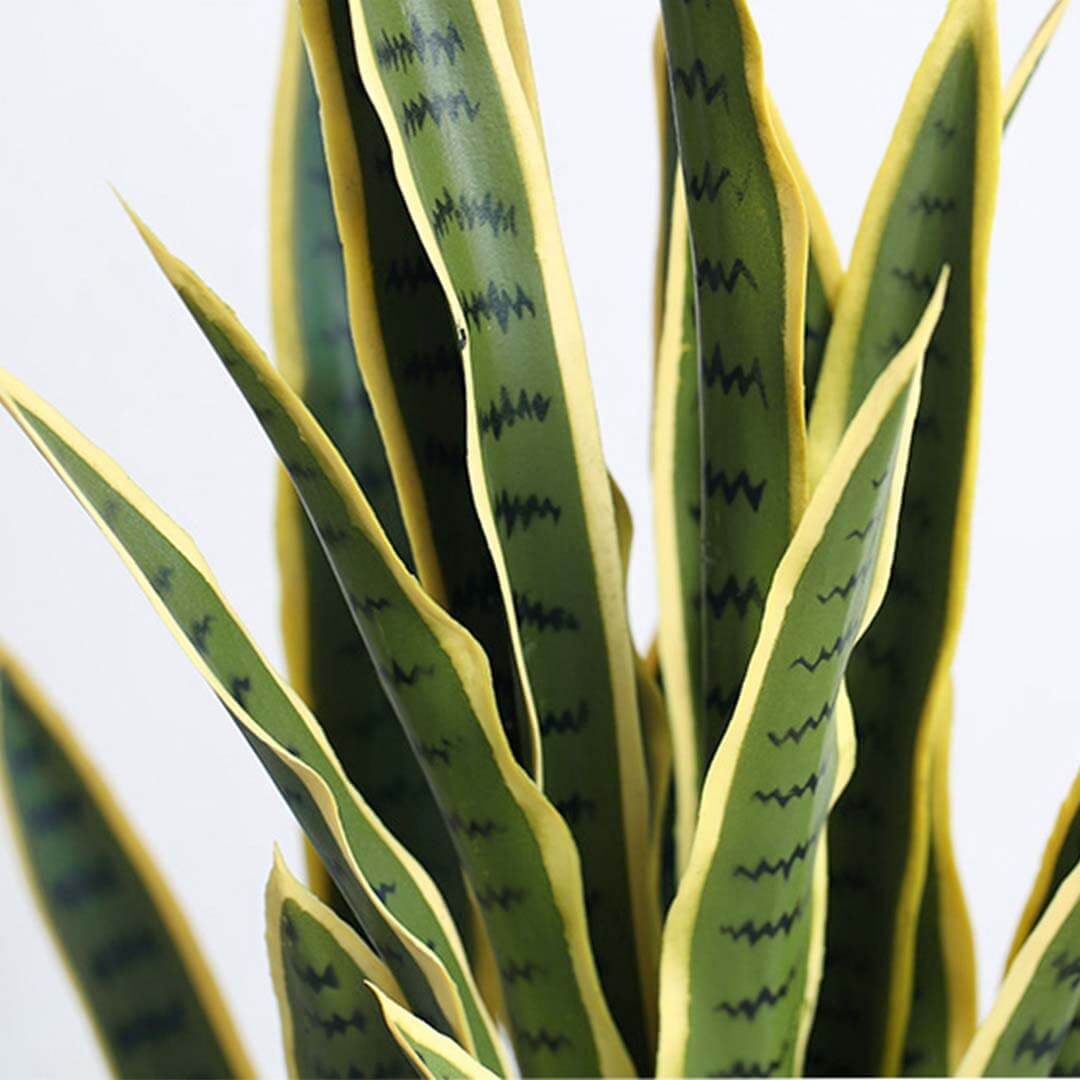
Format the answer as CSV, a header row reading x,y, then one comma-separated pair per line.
x,y
169,911
281,886
1036,900
584,426
900,376
1032,57
1019,977
408,1029
14,396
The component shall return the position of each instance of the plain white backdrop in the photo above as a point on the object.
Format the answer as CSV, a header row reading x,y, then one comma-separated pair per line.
x,y
172,104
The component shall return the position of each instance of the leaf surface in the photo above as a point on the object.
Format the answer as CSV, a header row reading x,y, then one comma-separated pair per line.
x,y
153,1002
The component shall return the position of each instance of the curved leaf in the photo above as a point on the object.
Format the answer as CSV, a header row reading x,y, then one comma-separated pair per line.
x,y
330,1023
154,1004
1036,1009
408,349
749,236
393,898
744,940
431,1053
513,845
460,127
327,662
931,204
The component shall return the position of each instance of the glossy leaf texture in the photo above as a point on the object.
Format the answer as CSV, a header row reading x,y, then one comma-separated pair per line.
x,y
943,1002
327,662
408,350
330,1022
748,233
743,944
463,136
931,205
1032,1029
513,846
432,1055
391,895
150,996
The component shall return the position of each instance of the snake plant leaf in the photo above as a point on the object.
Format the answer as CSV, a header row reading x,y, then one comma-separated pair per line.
x,y
943,1013
1061,854
669,163
513,845
461,131
152,1000
327,662
432,1055
330,1023
748,231
931,204
1035,1014
393,898
743,944
408,351
1022,74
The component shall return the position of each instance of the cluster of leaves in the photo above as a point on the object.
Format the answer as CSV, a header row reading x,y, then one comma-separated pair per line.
x,y
518,826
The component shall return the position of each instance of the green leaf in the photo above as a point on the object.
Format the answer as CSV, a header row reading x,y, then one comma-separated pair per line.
x,y
513,845
943,1009
931,204
748,231
743,944
463,135
395,901
432,1054
328,664
409,353
154,1004
330,1022
1031,1030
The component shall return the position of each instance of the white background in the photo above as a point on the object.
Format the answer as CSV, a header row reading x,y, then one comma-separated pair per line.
x,y
172,104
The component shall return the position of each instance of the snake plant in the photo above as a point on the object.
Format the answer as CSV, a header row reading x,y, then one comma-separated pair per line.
x,y
533,849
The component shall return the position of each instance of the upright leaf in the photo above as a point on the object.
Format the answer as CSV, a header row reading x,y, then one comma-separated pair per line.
x,y
513,846
749,237
395,901
330,1022
1031,1030
463,136
931,204
328,664
943,1011
407,345
743,943
154,1004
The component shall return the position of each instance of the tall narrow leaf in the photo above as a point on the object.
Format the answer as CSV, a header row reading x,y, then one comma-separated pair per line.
x,y
328,663
512,844
395,901
330,1022
149,993
408,349
463,135
744,940
931,204
1025,70
749,236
